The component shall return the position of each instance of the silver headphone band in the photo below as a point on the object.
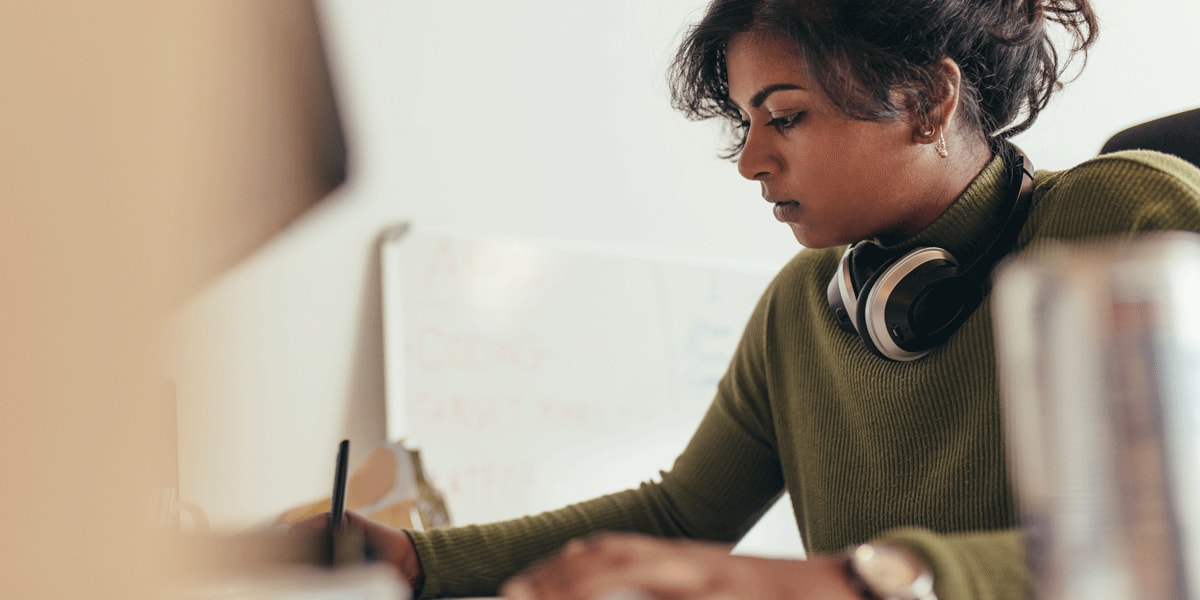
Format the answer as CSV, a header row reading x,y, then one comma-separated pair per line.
x,y
881,291
846,288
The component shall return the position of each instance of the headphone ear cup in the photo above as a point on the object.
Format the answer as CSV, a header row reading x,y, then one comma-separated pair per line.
x,y
941,307
841,296
902,308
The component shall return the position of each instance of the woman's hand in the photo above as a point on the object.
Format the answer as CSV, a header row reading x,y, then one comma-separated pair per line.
x,y
392,546
628,567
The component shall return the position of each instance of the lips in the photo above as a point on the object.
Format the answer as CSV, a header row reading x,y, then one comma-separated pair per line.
x,y
787,211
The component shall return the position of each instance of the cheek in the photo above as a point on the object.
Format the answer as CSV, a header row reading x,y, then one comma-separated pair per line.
x,y
866,177
847,204
837,188
851,177
834,166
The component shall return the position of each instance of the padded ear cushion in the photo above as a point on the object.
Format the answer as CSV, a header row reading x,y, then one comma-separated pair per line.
x,y
902,299
841,295
865,259
859,263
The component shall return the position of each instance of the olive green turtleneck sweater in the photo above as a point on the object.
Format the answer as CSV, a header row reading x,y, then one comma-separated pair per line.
x,y
867,448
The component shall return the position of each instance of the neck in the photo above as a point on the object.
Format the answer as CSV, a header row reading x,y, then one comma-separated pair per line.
x,y
939,182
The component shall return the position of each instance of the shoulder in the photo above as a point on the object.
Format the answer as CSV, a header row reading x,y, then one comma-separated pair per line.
x,y
1122,192
1126,169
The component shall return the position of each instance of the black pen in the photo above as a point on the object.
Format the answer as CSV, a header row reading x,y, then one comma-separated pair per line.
x,y
338,503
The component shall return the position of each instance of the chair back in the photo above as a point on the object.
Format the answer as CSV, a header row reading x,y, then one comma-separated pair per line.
x,y
1177,134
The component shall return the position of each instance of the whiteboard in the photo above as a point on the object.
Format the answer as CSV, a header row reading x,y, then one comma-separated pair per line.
x,y
532,374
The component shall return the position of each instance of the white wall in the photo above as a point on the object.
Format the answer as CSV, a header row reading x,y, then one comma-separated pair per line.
x,y
534,118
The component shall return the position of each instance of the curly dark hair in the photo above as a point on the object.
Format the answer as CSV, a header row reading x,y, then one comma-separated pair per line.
x,y
866,54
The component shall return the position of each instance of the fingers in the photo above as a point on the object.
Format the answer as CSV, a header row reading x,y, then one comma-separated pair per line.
x,y
630,567
385,543
619,567
313,523
358,521
320,523
390,545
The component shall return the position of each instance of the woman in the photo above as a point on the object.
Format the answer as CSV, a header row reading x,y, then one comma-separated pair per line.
x,y
877,123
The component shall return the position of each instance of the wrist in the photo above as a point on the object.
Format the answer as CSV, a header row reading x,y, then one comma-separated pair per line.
x,y
409,564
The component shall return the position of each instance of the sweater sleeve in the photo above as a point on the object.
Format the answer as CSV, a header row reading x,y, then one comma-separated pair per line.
x,y
1115,195
717,488
986,565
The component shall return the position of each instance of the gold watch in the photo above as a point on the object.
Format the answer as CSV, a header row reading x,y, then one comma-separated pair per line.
x,y
889,571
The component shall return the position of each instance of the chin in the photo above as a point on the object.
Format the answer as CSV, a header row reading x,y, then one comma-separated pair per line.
x,y
811,239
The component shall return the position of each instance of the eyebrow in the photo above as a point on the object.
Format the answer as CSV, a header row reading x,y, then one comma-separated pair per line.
x,y
762,94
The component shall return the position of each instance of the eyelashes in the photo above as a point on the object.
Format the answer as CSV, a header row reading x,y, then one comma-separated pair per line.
x,y
781,124
741,130
786,122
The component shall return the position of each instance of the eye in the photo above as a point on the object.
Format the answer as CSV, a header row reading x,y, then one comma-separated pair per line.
x,y
786,122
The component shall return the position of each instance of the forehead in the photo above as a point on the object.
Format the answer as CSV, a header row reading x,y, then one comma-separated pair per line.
x,y
754,61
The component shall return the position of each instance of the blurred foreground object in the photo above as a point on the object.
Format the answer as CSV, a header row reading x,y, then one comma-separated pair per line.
x,y
1099,356
257,102
165,507
389,487
279,565
364,582
145,146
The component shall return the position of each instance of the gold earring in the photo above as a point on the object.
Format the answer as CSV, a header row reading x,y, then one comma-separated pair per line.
x,y
940,146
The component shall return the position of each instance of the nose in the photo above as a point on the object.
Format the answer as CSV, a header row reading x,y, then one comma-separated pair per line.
x,y
757,161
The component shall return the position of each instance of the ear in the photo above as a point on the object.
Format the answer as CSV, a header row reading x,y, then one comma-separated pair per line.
x,y
943,106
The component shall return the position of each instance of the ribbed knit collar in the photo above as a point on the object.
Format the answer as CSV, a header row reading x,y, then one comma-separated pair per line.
x,y
971,222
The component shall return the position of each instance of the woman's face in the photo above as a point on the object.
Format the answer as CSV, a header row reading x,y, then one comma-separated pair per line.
x,y
832,179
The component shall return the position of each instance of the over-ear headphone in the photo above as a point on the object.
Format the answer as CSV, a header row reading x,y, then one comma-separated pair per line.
x,y
904,306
